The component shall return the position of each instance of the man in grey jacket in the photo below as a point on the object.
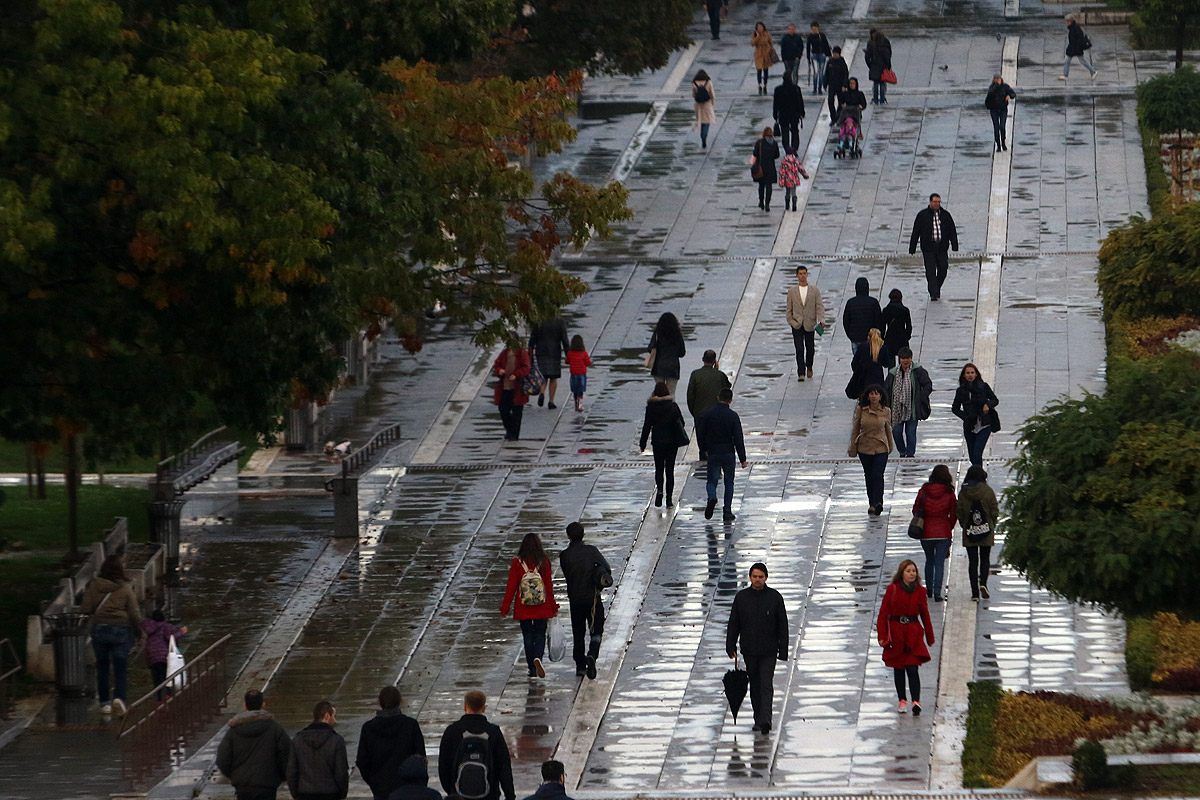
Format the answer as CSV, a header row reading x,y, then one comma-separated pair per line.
x,y
318,768
254,753
805,311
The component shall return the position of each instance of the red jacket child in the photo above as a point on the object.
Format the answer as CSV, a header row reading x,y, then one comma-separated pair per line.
x,y
578,361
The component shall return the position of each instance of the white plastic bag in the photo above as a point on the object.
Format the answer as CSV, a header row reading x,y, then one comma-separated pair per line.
x,y
175,664
556,645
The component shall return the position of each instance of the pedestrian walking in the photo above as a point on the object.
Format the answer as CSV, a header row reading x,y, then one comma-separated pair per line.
x,y
704,387
978,513
666,349
663,424
907,393
854,102
705,98
412,781
473,758
1078,44
879,58
512,367
254,753
805,314
788,111
791,50
158,634
975,404
897,322
871,441
837,80
578,362
387,741
764,55
317,767
860,315
996,103
115,614
758,620
790,172
868,365
938,505
722,432
587,573
554,782
934,229
548,342
817,47
762,162
714,9
530,593
903,630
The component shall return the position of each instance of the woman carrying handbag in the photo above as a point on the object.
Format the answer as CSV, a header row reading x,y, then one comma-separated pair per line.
x,y
664,426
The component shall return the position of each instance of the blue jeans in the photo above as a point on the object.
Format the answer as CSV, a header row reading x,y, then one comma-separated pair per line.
x,y
1084,59
818,63
975,444
878,91
533,631
936,551
111,644
704,128
905,434
873,467
854,347
718,463
763,77
578,385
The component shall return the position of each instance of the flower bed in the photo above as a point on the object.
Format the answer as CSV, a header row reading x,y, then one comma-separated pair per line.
x,y
1163,653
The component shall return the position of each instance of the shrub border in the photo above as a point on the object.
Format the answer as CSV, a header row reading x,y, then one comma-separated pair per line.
x,y
979,746
1158,186
1140,646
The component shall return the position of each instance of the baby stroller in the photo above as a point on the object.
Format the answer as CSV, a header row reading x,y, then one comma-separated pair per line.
x,y
849,132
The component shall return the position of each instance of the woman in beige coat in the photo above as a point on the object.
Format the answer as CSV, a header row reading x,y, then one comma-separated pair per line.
x,y
764,54
703,95
871,441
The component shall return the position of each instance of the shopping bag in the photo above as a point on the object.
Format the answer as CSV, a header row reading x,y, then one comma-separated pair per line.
x,y
556,645
175,664
887,76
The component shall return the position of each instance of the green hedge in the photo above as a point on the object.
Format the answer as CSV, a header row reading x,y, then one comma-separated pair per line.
x,y
1158,186
1140,660
979,748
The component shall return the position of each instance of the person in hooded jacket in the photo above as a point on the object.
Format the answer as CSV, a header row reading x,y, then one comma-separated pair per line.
x,y
879,58
554,780
897,323
412,781
115,615
862,312
317,767
386,742
996,103
976,492
903,629
975,404
788,110
474,721
766,150
836,79
937,503
158,645
254,753
662,425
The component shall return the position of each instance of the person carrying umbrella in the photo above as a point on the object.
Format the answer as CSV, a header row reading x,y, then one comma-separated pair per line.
x,y
759,619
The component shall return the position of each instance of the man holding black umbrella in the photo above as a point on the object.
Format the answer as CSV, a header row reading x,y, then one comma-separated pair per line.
x,y
758,618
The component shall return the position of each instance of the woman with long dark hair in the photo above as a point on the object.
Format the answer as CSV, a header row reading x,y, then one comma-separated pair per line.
x,y
766,150
531,586
975,404
937,502
666,348
903,630
115,616
705,99
764,46
871,440
663,425
978,513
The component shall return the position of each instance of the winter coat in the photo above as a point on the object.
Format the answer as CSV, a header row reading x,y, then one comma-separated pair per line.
x,y
868,370
789,171
897,326
548,341
904,641
578,361
923,231
817,44
791,47
720,428
788,104
120,607
854,98
1076,39
998,95
704,384
972,492
872,432
317,768
412,781
546,610
524,365
158,639
581,565
254,753
922,388
500,773
862,312
763,44
666,357
661,424
552,790
706,113
941,510
837,75
806,313
969,401
765,152
387,741
760,620
879,57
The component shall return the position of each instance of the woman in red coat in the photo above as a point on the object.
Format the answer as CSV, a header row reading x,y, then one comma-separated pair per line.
x,y
532,587
902,625
511,368
941,514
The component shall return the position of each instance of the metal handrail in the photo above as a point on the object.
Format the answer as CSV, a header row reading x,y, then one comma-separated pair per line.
x,y
355,461
202,457
189,452
7,653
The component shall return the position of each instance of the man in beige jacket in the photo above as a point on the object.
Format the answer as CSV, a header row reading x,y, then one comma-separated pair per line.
x,y
805,311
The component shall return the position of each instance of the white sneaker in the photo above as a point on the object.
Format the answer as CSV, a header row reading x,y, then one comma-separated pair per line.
x,y
119,706
1062,77
106,709
1094,74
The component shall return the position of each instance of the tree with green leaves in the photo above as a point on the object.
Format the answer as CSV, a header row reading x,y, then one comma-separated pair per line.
x,y
1151,267
1176,21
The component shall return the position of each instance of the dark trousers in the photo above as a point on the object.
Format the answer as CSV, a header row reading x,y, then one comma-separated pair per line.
x,y
762,686
722,462
914,682
873,467
664,468
999,118
763,76
937,263
790,131
111,644
510,414
835,102
805,344
714,20
764,193
936,552
979,564
158,674
533,632
257,793
975,444
586,616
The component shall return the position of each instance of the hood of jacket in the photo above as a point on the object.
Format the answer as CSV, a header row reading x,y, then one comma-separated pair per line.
x,y
665,399
388,721
106,585
251,724
937,491
315,737
413,770
862,287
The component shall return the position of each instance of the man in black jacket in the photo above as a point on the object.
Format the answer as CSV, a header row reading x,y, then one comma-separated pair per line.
x,y
788,110
722,435
934,229
475,725
254,754
837,80
759,619
554,780
386,741
791,50
318,768
996,103
862,312
586,573
818,50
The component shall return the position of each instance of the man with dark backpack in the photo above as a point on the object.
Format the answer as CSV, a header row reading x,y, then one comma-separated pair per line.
x,y
473,759
587,573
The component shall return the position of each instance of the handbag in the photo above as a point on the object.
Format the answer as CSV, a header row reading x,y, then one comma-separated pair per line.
x,y
887,76
772,57
534,382
756,170
916,528
556,644
995,421
175,664
679,433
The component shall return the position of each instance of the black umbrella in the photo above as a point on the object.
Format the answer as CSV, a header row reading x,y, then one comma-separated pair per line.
x,y
736,681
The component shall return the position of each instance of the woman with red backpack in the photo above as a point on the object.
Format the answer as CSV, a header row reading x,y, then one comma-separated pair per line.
x,y
531,588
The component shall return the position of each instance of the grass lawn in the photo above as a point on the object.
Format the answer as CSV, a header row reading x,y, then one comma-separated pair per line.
x,y
25,581
42,524
1168,780
12,459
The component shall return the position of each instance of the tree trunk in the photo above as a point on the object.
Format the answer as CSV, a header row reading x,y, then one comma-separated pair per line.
x,y
72,481
1180,39
39,467
29,468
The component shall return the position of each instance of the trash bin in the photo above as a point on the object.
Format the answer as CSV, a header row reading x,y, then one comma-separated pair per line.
x,y
69,633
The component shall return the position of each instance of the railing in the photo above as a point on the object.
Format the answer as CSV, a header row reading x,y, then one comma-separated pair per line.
x,y
10,665
198,461
355,461
155,733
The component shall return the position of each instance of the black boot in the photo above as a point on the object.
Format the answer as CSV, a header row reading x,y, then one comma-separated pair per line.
x,y
1003,145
